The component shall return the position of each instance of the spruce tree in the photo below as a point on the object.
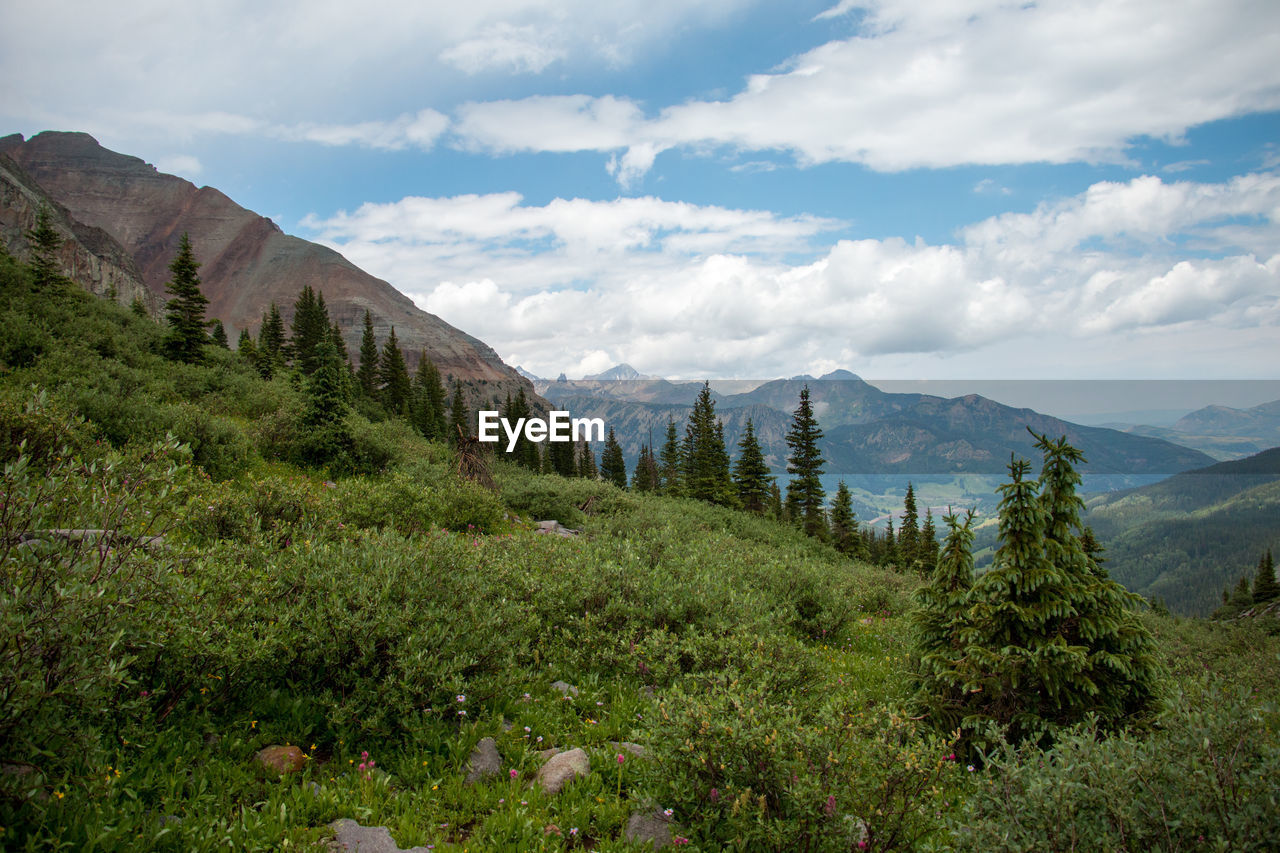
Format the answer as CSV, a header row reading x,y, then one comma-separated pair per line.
x,y
613,468
367,374
942,607
927,550
775,501
672,462
645,478
459,415
1264,580
750,473
587,468
427,407
218,335
185,309
805,495
844,526
706,462
325,440
309,329
909,532
271,341
45,242
393,377
247,349
516,409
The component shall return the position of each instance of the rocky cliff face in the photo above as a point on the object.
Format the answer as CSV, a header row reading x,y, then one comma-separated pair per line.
x,y
90,255
247,262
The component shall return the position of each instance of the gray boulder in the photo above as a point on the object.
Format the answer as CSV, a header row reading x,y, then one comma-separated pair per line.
x,y
484,762
562,768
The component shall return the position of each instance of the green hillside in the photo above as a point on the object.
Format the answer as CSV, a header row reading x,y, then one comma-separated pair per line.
x,y
182,590
1183,539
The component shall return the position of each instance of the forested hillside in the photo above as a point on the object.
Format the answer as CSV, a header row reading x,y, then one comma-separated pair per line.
x,y
251,599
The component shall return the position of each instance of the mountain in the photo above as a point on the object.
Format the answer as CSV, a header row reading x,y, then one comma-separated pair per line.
x,y
1185,538
247,262
1221,431
619,372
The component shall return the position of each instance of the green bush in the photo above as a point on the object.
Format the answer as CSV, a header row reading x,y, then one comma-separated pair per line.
x,y
218,444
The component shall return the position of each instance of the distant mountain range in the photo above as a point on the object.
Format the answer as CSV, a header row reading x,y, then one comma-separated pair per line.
x,y
1221,431
122,220
1185,538
867,431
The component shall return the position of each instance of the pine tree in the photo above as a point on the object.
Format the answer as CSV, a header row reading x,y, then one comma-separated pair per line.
x,y
1264,580
393,377
844,525
940,616
909,532
45,242
185,309
427,400
706,462
271,352
927,551
459,415
367,374
517,408
645,478
218,335
247,349
751,474
775,501
805,495
613,468
309,329
672,462
325,440
587,468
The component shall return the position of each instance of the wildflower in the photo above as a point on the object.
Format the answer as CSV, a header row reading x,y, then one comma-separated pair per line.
x,y
462,713
526,728
573,830
679,840
667,812
971,768
621,758
462,697
715,795
539,740
830,808
514,773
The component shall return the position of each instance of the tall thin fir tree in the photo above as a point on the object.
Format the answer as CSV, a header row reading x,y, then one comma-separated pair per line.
x,y
247,349
613,468
428,413
645,478
909,532
367,373
309,329
805,464
706,469
751,473
587,467
326,440
844,525
1264,580
671,463
942,607
459,415
271,341
185,309
927,551
393,377
45,243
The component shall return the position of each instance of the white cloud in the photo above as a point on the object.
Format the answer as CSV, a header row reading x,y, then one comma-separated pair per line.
x,y
503,47
687,290
985,82
183,165
416,131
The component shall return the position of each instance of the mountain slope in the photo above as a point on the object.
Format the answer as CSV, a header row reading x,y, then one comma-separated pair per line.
x,y
1185,538
247,262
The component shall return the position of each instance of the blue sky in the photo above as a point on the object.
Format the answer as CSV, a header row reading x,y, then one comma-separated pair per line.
x,y
731,188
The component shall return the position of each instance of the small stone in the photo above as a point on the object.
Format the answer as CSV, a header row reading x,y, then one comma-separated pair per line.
x,y
484,762
634,748
565,688
648,692
351,837
652,829
563,768
544,754
281,759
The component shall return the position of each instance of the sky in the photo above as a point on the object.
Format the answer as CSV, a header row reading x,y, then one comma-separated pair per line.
x,y
908,189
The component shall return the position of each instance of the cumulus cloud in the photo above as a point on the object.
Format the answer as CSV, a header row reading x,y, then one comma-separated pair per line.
x,y
689,290
982,82
503,47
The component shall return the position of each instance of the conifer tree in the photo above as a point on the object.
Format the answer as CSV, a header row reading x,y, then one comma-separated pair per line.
x,y
247,349
325,440
909,532
672,462
516,409
271,353
309,329
367,374
185,309
339,345
750,473
1264,580
613,468
393,377
706,462
587,468
218,335
889,547
775,501
927,550
427,409
45,242
939,619
844,525
805,492
645,478
459,415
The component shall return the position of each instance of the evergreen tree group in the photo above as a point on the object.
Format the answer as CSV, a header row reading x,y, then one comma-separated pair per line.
x,y
1045,637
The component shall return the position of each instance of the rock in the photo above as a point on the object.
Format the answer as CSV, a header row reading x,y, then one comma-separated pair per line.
x,y
648,692
544,754
554,528
652,829
626,746
565,688
351,837
857,829
562,768
484,762
281,759
27,777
